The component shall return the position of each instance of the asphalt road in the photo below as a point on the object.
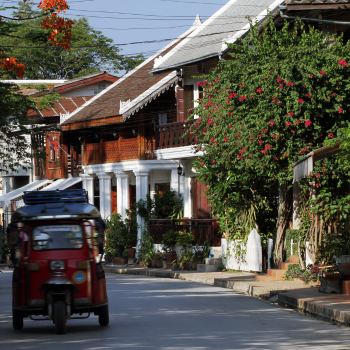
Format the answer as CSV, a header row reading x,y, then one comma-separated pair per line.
x,y
153,313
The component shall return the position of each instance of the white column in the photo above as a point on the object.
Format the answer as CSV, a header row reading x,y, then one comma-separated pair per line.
x,y
296,205
88,185
141,193
105,194
174,180
122,193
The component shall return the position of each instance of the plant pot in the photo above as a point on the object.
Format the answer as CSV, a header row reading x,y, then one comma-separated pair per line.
x,y
170,256
194,264
131,253
186,266
113,259
117,260
156,263
108,259
344,270
165,264
123,261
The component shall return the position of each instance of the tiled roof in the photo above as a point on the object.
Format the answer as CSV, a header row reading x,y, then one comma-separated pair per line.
x,y
315,2
63,106
129,87
209,38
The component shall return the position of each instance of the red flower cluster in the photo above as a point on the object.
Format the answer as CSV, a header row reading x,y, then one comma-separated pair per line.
x,y
288,124
225,139
322,72
340,110
308,95
11,63
300,100
330,135
272,122
242,98
308,123
266,149
342,63
259,90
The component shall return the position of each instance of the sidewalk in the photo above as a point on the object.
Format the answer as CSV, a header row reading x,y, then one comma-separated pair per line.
x,y
304,298
240,281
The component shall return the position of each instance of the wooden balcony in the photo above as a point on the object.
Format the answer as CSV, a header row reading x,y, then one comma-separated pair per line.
x,y
202,229
171,135
118,151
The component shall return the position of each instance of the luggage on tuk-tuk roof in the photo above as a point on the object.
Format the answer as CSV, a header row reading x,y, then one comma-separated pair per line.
x,y
41,205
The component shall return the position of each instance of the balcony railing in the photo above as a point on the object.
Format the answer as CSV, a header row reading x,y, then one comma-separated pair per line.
x,y
202,229
171,135
118,151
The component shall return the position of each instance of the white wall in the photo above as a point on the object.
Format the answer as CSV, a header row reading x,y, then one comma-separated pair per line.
x,y
253,257
86,90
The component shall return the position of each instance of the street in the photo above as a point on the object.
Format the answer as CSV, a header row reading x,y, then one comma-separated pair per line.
x,y
154,313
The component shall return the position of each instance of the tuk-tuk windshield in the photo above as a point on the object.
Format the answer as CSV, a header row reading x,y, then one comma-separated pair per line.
x,y
53,237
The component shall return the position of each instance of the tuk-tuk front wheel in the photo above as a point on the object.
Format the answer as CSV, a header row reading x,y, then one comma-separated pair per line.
x,y
17,319
60,317
103,315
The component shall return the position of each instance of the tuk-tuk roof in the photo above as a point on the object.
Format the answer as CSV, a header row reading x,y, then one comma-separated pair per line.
x,y
66,204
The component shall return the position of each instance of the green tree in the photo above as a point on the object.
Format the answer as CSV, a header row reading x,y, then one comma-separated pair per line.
x,y
283,94
14,151
90,50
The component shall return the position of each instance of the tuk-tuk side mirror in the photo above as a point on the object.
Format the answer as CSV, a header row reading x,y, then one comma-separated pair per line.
x,y
16,240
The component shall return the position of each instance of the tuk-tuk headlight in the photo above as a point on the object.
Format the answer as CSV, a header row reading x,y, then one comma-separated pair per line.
x,y
57,265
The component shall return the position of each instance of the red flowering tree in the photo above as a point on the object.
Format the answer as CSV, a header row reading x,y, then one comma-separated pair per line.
x,y
14,151
282,95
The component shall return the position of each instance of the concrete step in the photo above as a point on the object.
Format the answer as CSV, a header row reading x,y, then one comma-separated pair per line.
x,y
265,278
207,268
284,265
277,273
213,261
294,259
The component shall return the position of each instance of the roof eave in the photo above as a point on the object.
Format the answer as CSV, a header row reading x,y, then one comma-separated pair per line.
x,y
185,63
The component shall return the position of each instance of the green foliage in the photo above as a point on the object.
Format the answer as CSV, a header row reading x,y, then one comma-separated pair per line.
x,y
255,123
291,235
120,234
169,240
185,239
201,253
90,51
162,206
295,271
145,247
5,248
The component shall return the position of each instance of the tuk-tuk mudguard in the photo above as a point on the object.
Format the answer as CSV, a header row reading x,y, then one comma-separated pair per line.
x,y
59,281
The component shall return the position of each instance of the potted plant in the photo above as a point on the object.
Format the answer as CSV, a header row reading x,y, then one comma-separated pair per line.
x,y
169,241
5,250
124,258
185,240
200,254
129,236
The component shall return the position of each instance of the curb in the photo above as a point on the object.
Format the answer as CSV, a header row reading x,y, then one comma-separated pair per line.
x,y
151,273
244,287
327,311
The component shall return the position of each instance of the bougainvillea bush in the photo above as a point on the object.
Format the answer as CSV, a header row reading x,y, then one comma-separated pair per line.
x,y
281,96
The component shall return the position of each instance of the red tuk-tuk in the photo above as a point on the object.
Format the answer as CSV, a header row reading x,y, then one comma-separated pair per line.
x,y
58,248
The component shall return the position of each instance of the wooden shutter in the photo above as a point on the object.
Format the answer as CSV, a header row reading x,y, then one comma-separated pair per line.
x,y
132,195
114,199
188,99
180,103
203,206
194,197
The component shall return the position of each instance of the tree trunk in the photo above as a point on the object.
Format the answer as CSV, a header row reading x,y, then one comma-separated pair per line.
x,y
285,211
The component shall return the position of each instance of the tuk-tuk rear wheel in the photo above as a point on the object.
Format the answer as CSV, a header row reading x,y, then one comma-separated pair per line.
x,y
103,315
60,317
17,319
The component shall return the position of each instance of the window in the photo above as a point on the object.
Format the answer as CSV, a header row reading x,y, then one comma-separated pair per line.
x,y
54,237
100,87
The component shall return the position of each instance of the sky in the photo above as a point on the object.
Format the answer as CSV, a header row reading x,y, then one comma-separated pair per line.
x,y
133,21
